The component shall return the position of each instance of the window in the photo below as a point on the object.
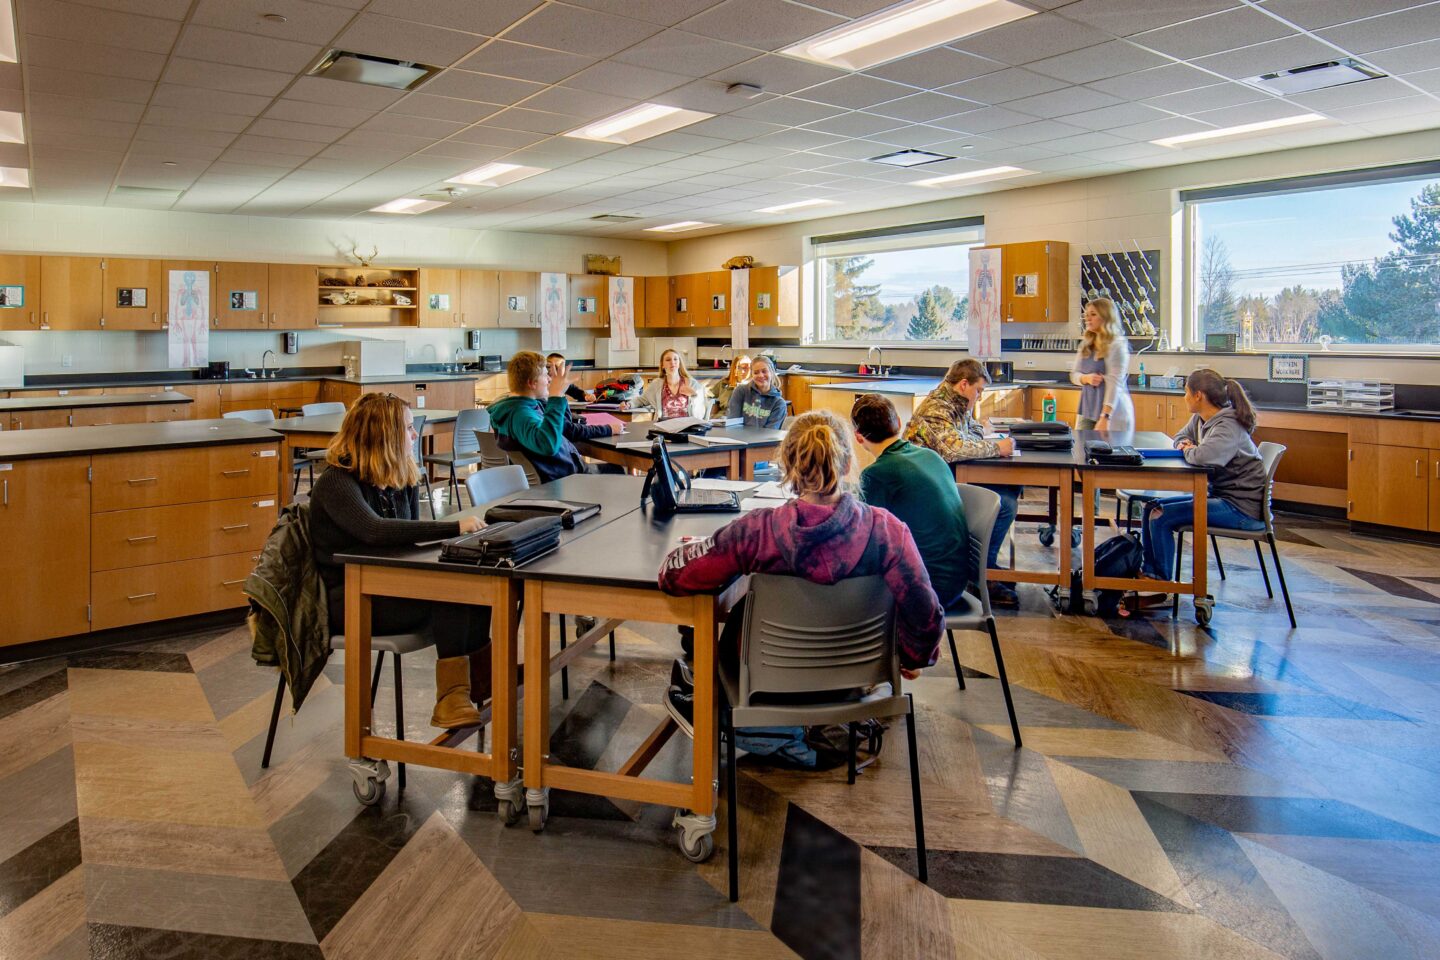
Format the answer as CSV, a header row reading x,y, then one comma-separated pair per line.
x,y
904,285
1349,258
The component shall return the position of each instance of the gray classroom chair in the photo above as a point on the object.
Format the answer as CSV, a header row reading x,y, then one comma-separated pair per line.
x,y
466,448
394,644
1270,454
806,638
486,485
321,409
491,455
519,458
419,421
973,612
266,415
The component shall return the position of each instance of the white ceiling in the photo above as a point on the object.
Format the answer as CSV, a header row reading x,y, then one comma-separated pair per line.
x,y
207,97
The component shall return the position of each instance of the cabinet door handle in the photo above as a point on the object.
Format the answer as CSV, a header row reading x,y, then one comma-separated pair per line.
x,y
141,539
234,473
140,596
1350,455
1437,469
230,583
236,526
140,480
1417,468
5,497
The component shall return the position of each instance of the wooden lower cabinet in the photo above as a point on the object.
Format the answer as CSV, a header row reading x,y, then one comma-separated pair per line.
x,y
151,535
1390,485
125,481
1434,475
37,419
45,526
108,416
133,595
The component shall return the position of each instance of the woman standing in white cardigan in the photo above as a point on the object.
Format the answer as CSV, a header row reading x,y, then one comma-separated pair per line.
x,y
1102,368
674,393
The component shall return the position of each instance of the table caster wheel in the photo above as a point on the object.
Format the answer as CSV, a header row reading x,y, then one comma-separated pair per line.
x,y
538,804
509,812
371,794
1047,535
510,797
700,851
368,780
697,835
1202,613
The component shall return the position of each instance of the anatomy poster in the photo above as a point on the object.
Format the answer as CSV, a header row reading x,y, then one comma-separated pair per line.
x,y
740,309
552,312
985,276
622,313
189,318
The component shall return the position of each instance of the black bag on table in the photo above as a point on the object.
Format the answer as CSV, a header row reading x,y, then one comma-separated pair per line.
x,y
1119,556
570,512
1042,435
504,544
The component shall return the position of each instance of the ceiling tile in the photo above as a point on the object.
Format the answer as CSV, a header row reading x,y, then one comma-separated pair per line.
x,y
983,120
763,24
684,142
1405,107
1208,98
782,74
707,96
223,76
1159,129
305,22
1154,82
97,58
855,124
1390,30
1103,60
923,106
788,111
1085,142
69,21
1315,14
412,126
1428,80
278,161
1283,54
1037,132
300,111
244,50
930,69
582,104
203,120
191,98
164,136
497,136
54,105
1117,116
488,18
534,121
168,9
1352,94
1257,112
1216,33
280,145
477,152
625,80
1033,38
404,40
687,53
444,108
1057,102
287,130
586,32
481,87
88,86
664,12
341,94
523,62
1003,86
1125,17
915,135
857,90
1409,58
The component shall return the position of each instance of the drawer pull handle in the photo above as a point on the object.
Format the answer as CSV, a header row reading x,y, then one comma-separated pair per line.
x,y
230,583
236,526
140,596
235,473
143,480
140,539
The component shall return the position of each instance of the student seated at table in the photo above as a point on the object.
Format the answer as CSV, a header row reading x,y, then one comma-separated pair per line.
x,y
945,422
1217,438
369,498
722,391
560,369
674,393
824,535
913,483
758,399
535,419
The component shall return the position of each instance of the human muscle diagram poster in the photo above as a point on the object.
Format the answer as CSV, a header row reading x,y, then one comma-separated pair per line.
x,y
740,309
622,313
984,318
552,312
189,318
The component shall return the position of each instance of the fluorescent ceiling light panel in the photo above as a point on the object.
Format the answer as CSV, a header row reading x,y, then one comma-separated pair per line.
x,y
1243,130
910,158
795,205
495,174
1317,76
682,226
639,123
903,30
14,177
972,176
8,51
408,205
12,127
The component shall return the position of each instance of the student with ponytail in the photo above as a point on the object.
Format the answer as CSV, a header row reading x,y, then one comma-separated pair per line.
x,y
1217,438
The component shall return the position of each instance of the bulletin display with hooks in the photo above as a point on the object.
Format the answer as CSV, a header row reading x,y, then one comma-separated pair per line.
x,y
1130,278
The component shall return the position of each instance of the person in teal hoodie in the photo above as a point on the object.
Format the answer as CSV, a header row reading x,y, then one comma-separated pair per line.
x,y
534,419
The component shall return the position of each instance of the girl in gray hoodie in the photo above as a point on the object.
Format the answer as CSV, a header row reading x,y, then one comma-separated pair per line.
x,y
1217,438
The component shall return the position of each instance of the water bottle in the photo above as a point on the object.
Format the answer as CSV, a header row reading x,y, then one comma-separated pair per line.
x,y
1049,407
1140,378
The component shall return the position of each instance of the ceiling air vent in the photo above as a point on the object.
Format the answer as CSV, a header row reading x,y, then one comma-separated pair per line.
x,y
1317,76
376,71
614,218
910,158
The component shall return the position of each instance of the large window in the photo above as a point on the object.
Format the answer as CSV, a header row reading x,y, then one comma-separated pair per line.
x,y
1352,259
895,286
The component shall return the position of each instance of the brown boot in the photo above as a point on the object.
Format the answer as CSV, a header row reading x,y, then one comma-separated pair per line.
x,y
480,675
452,695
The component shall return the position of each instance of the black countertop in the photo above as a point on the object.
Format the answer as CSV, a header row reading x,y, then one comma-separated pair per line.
x,y
62,381
116,400
128,438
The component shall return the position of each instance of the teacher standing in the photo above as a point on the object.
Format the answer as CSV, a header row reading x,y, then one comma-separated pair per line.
x,y
1102,368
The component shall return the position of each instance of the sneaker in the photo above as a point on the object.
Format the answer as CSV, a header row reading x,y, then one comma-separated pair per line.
x,y
687,642
1003,595
681,675
681,706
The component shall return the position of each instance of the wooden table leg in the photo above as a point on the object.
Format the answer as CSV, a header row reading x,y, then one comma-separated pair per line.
x,y
1200,556
1066,495
502,682
706,747
537,690
287,470
357,661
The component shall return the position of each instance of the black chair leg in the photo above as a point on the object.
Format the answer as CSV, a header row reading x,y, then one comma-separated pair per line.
x,y
612,646
1219,563
1280,573
1004,680
274,722
375,680
1179,554
955,656
850,753
920,856
732,809
296,489
1260,556
399,711
564,671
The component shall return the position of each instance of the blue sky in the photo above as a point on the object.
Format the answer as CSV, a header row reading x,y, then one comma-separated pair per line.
x,y
904,274
1278,241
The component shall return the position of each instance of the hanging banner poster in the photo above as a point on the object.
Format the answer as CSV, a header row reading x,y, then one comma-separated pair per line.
x,y
552,312
984,318
189,318
622,313
740,309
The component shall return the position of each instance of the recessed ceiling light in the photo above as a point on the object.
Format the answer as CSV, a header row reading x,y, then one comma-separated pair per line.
x,y
910,158
170,163
1243,130
495,174
682,226
638,123
275,17
971,176
408,205
375,71
615,217
904,29
794,205
1317,76
14,177
12,127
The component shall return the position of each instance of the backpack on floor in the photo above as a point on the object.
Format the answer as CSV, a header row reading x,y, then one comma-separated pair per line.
x,y
1118,556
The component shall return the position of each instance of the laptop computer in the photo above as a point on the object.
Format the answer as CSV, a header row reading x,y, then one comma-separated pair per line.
x,y
669,494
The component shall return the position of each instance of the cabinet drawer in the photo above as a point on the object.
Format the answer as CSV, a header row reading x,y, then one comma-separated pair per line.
x,y
128,480
165,590
106,416
168,412
150,535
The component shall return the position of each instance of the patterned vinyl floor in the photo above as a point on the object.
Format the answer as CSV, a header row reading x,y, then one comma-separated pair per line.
x,y
1242,791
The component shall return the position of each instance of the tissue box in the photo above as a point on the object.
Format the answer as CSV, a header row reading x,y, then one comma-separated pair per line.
x,y
1168,383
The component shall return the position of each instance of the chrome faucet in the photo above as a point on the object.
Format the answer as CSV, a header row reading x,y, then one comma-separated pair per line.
x,y
263,363
730,356
455,365
879,368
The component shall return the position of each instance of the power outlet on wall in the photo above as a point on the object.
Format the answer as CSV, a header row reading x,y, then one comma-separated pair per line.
x,y
1029,364
409,352
67,360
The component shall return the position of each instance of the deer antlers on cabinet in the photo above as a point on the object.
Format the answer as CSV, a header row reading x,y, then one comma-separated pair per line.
x,y
364,260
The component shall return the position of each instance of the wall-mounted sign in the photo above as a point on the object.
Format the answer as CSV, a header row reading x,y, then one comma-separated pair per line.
x,y
717,302
1027,284
244,300
11,296
682,305
517,303
130,296
585,304
1289,368
439,301
762,301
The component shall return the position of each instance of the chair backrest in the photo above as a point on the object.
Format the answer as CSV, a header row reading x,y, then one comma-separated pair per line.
x,y
486,485
491,455
981,508
419,421
465,426
802,636
785,424
321,409
254,416
1270,454
518,457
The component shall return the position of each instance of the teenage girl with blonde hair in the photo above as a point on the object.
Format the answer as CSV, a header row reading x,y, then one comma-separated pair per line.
x,y
1102,366
824,535
368,497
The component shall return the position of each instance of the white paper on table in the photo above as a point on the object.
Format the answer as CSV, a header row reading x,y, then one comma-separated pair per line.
x,y
634,445
706,441
716,483
552,311
189,318
774,490
758,503
984,318
740,309
622,313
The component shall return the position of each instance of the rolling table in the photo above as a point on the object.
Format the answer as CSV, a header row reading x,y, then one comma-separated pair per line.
x,y
739,460
302,433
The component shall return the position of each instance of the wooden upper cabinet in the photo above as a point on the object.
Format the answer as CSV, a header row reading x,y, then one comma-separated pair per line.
x,y
1047,264
775,296
204,271
20,283
715,311
657,303
519,294
589,304
241,294
479,298
134,294
70,292
439,297
294,296
689,299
